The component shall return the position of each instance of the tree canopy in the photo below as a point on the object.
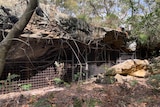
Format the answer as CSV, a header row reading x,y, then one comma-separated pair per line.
x,y
142,17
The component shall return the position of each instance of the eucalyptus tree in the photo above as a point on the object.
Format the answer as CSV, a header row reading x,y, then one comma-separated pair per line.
x,y
139,16
145,23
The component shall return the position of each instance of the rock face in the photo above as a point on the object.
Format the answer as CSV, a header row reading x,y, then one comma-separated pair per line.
x,y
135,67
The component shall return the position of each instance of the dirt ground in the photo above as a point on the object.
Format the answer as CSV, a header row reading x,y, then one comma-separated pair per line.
x,y
89,94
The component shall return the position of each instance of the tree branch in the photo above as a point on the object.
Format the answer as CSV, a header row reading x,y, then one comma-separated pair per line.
x,y
15,32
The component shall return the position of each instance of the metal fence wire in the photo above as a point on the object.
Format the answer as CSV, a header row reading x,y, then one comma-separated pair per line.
x,y
17,80
23,76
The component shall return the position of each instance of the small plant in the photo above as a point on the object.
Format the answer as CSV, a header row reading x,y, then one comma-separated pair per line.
x,y
103,79
111,79
26,87
86,103
8,81
109,71
133,83
79,76
1,86
154,81
92,102
42,102
11,77
143,38
77,103
76,76
59,81
32,99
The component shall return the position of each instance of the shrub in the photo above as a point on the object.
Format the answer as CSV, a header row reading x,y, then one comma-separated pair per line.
x,y
154,81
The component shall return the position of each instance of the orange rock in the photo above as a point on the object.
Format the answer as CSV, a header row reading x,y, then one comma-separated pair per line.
x,y
135,67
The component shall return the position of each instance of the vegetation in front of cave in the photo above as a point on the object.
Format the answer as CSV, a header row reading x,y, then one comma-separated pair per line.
x,y
60,82
42,102
87,102
26,87
8,80
154,81
133,83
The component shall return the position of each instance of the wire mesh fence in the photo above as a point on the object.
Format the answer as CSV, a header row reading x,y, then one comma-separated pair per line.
x,y
16,82
23,76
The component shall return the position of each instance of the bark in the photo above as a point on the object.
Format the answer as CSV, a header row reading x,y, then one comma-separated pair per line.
x,y
15,32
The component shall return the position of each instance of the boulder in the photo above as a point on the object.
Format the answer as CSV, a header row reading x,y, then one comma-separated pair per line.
x,y
139,73
135,67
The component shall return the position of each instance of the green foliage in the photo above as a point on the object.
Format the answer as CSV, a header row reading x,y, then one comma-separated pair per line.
x,y
133,83
1,86
97,21
157,12
43,102
143,39
112,21
78,76
70,4
92,102
154,81
58,81
77,103
8,81
155,65
146,26
109,71
26,87
110,79
112,16
87,102
10,77
82,17
143,17
107,77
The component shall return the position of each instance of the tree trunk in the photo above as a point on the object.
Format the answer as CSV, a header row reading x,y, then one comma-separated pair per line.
x,y
17,29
